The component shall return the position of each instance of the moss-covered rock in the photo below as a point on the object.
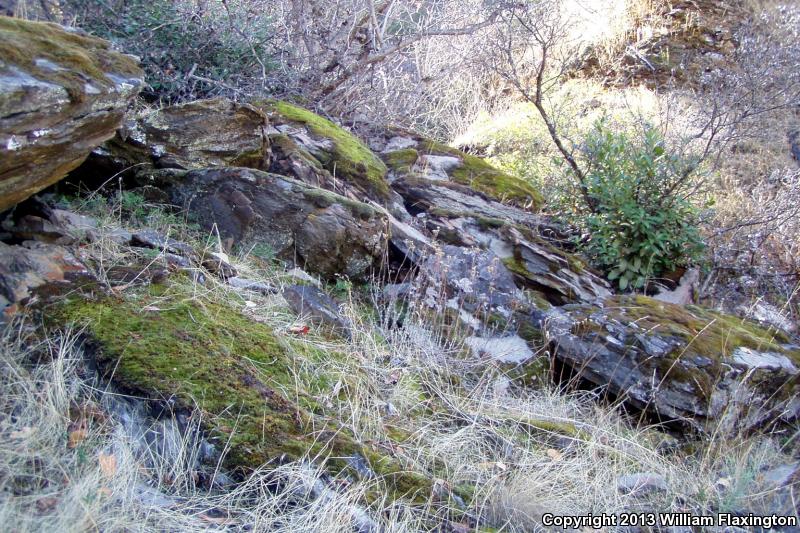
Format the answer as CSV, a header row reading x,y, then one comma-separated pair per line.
x,y
163,343
485,178
401,161
61,95
287,148
411,155
339,151
687,363
537,264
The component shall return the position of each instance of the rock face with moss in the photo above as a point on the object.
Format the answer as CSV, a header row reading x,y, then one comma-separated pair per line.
x,y
536,264
61,95
326,233
160,343
680,363
411,156
516,237
322,145
194,135
468,203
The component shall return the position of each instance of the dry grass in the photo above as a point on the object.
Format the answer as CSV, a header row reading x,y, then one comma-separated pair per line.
x,y
517,451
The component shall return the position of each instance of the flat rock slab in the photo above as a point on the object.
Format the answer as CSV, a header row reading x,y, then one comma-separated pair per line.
x,y
251,285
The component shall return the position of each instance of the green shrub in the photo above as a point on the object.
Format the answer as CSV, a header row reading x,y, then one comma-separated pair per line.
x,y
640,223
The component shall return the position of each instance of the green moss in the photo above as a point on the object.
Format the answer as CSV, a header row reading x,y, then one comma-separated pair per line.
x,y
538,299
483,177
709,332
323,199
489,222
289,148
81,58
530,333
350,159
401,160
516,266
162,342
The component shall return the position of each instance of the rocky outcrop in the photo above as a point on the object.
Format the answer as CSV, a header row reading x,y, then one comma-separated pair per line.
x,y
61,95
326,233
459,216
450,200
436,192
312,147
465,202
194,135
680,363
412,157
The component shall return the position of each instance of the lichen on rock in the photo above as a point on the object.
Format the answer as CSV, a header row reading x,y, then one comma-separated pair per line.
x,y
680,363
409,155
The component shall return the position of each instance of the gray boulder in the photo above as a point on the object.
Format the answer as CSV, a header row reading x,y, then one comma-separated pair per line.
x,y
37,221
310,302
322,231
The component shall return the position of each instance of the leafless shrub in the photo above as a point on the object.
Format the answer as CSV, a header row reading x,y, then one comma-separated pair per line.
x,y
756,247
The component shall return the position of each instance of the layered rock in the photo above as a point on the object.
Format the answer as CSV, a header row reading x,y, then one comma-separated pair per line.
x,y
680,363
61,95
326,233
28,270
476,278
194,135
537,264
466,202
412,157
561,277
